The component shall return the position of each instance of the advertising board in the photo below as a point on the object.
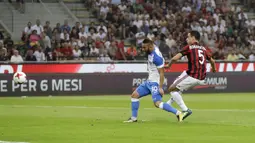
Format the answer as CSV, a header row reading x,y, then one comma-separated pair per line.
x,y
115,84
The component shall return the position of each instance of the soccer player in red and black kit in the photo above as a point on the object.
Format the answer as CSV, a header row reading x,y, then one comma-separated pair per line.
x,y
197,58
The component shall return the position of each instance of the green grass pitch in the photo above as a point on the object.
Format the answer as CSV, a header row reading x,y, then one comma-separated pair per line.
x,y
216,118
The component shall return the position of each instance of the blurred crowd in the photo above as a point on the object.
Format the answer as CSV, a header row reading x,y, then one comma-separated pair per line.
x,y
225,29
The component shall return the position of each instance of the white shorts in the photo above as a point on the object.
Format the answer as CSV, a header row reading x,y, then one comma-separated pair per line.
x,y
185,82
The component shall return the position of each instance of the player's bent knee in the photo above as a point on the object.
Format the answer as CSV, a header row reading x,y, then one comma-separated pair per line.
x,y
172,88
157,103
135,94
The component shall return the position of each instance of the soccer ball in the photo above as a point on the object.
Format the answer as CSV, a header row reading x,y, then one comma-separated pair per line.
x,y
19,78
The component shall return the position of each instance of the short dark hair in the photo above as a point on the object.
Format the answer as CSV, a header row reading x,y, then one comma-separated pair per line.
x,y
147,41
196,34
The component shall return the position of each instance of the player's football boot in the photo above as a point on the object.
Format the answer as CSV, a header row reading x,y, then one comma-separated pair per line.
x,y
180,117
130,120
186,113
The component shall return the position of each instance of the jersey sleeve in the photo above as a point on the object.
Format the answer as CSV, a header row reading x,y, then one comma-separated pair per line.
x,y
185,50
158,61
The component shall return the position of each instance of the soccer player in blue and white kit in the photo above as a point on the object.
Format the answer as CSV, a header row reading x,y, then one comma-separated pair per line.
x,y
154,83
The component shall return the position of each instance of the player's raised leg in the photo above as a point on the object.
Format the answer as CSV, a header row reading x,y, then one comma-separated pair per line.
x,y
183,82
141,91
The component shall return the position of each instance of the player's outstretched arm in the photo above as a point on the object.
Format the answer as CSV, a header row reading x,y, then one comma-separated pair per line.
x,y
212,61
174,60
161,80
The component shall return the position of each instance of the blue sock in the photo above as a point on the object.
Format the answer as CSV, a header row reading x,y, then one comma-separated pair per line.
x,y
135,106
167,108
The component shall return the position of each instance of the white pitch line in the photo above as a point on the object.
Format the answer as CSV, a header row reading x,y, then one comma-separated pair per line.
x,y
122,108
12,142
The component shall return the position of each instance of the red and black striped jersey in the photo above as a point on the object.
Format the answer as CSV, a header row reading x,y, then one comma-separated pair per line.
x,y
197,56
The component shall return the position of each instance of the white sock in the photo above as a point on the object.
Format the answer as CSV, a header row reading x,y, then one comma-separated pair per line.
x,y
170,101
161,105
178,112
178,99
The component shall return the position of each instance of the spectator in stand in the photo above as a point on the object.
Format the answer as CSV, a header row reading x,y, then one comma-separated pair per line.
x,y
98,42
246,51
251,41
39,54
74,34
209,8
9,45
242,16
66,27
122,7
240,55
170,41
154,21
102,26
8,42
26,33
92,34
58,28
109,16
211,42
28,29
139,39
38,27
64,36
252,56
92,26
55,38
101,34
145,27
82,43
221,29
30,56
225,7
250,23
67,51
186,8
131,52
103,11
82,33
76,53
163,46
46,42
57,55
94,52
34,37
112,50
47,29
73,42
77,27
212,3
138,23
3,52
16,58
232,56
120,54
103,54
